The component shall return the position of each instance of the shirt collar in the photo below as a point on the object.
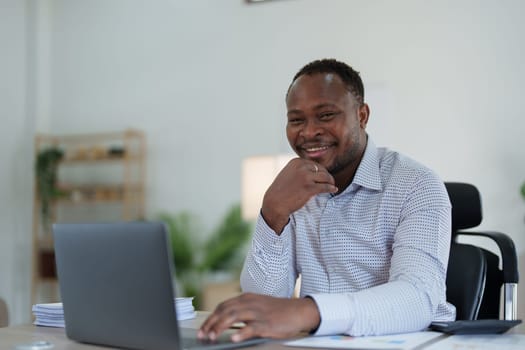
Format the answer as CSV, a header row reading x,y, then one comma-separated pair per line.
x,y
367,174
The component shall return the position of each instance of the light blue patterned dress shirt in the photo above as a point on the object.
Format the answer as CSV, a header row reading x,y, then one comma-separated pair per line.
x,y
374,257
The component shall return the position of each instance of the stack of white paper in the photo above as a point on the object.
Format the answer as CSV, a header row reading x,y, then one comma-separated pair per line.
x,y
184,308
52,314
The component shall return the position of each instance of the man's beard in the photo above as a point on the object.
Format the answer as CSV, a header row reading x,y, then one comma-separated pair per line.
x,y
351,157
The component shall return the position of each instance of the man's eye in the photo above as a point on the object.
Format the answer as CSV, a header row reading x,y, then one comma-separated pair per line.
x,y
295,121
327,116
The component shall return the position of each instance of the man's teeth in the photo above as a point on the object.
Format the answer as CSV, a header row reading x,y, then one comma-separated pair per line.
x,y
315,149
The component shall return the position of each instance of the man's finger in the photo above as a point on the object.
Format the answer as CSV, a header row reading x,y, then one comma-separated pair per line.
x,y
324,177
216,324
244,333
223,318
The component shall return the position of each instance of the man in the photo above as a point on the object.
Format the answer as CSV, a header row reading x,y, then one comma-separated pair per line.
x,y
368,229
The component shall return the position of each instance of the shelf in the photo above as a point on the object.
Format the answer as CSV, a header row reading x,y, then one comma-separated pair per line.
x,y
91,184
46,243
82,194
107,159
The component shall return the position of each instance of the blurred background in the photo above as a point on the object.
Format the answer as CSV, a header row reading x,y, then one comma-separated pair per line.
x,y
204,80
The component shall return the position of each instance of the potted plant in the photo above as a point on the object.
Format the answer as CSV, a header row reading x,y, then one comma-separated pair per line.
x,y
184,242
195,260
46,177
221,252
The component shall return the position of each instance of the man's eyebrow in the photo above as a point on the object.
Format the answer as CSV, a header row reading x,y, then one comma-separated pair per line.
x,y
317,107
294,111
324,105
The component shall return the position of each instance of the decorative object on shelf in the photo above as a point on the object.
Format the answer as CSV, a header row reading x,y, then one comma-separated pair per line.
x,y
46,174
220,253
96,152
116,151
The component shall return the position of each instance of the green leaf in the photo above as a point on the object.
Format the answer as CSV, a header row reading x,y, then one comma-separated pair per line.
x,y
183,241
46,176
221,251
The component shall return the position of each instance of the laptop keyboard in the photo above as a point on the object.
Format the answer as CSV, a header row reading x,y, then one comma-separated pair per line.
x,y
191,343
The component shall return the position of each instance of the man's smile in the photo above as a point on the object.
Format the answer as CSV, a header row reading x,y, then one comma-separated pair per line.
x,y
315,151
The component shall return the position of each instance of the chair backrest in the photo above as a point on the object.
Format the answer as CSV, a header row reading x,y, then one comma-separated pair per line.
x,y
490,303
466,206
466,278
467,266
474,279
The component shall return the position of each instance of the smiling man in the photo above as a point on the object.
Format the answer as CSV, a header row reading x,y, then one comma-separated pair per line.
x,y
366,228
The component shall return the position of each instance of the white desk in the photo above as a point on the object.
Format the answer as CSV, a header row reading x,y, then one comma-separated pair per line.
x,y
15,335
12,336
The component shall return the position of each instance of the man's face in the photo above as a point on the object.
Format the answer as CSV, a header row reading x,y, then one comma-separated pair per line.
x,y
326,123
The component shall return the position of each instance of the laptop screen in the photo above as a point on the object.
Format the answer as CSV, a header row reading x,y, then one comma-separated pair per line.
x,y
116,284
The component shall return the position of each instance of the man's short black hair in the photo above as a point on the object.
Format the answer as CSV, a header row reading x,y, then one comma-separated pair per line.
x,y
348,75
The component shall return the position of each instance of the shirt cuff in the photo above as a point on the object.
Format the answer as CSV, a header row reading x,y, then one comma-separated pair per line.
x,y
266,237
336,312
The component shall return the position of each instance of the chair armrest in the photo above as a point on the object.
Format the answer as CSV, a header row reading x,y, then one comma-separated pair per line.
x,y
508,252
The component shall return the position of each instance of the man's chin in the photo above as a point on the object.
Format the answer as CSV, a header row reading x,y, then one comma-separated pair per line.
x,y
333,168
329,165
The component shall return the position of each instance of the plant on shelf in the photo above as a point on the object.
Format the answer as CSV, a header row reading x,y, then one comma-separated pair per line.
x,y
46,176
194,259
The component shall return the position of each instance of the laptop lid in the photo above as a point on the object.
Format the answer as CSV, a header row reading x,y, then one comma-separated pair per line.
x,y
116,284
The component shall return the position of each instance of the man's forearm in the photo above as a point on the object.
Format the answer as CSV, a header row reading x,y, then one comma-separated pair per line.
x,y
267,268
394,307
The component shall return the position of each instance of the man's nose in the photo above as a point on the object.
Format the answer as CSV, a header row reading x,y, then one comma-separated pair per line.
x,y
311,129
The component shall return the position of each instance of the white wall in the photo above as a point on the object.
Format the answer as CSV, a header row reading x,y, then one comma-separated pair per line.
x,y
15,161
206,80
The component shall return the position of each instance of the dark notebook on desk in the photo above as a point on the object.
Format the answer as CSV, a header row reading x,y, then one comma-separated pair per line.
x,y
117,289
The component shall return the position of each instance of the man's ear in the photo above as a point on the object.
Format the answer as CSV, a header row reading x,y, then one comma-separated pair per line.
x,y
363,113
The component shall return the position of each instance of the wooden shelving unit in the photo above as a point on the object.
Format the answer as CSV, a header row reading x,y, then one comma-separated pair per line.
x,y
100,177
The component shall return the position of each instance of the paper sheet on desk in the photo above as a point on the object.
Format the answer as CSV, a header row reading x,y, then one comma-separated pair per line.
x,y
52,314
394,341
481,342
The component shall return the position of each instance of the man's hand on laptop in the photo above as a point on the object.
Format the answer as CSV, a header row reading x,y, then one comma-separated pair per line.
x,y
264,316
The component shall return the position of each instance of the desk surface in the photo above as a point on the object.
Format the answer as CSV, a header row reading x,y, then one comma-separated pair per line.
x,y
12,336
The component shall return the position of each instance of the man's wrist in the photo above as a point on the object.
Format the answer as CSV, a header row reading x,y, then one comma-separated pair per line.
x,y
311,315
275,222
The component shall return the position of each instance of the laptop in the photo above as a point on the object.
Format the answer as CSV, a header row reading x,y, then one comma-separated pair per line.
x,y
117,289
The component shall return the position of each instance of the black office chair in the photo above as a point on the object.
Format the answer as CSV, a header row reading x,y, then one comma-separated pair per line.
x,y
474,278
